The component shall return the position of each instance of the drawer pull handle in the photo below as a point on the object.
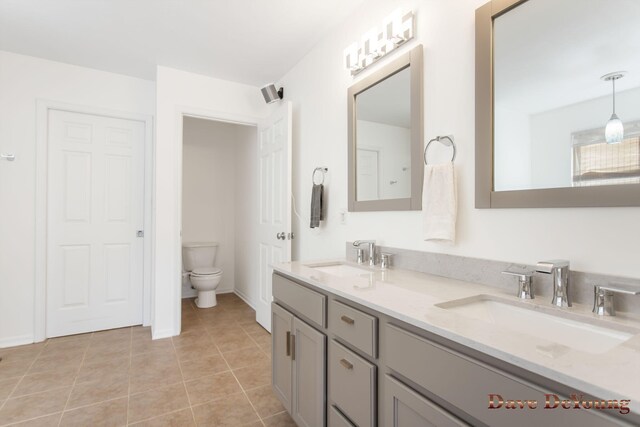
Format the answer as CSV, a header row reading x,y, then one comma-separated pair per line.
x,y
293,347
288,344
346,364
348,320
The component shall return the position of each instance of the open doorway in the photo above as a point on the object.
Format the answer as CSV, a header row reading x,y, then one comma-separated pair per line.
x,y
219,205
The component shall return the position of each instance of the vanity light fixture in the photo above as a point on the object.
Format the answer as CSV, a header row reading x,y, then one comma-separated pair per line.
x,y
271,94
614,131
397,29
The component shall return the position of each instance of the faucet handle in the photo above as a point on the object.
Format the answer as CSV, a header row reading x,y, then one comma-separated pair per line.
x,y
360,255
385,260
603,297
620,288
525,283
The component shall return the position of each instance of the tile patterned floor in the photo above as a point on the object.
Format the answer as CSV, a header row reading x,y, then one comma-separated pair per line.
x,y
216,373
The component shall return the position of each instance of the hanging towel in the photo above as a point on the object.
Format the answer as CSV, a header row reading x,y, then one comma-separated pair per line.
x,y
316,205
439,202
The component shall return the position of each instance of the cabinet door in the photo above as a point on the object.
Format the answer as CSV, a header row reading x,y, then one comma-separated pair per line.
x,y
281,360
406,408
309,373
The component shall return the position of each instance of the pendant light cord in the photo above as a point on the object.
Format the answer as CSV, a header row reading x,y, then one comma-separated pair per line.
x,y
614,94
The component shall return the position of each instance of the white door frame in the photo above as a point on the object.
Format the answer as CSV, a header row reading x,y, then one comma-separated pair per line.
x,y
205,114
42,148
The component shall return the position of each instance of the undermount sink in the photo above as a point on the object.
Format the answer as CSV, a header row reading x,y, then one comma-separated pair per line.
x,y
339,269
567,329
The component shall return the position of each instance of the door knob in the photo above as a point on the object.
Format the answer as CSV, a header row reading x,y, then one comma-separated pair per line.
x,y
291,236
280,236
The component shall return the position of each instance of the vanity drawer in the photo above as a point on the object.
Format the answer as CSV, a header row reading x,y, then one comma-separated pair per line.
x,y
336,419
466,384
352,385
309,303
355,327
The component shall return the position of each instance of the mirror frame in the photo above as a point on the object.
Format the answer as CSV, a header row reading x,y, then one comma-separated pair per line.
x,y
413,60
486,197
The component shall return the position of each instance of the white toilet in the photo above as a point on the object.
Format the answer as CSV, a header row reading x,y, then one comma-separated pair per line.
x,y
198,261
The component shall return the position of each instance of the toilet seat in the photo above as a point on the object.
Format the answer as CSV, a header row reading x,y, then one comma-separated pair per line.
x,y
206,271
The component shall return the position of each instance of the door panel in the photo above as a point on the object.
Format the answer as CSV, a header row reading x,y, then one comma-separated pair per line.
x,y
309,373
275,203
95,199
282,363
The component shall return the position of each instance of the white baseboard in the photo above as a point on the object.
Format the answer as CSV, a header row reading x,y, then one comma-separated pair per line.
x,y
165,333
15,341
244,298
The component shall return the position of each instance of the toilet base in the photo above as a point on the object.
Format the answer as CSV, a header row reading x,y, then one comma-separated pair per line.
x,y
206,299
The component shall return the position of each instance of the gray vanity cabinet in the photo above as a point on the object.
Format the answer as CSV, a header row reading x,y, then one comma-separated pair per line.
x,y
299,351
406,408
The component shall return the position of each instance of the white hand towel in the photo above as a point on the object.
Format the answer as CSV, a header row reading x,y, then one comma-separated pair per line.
x,y
439,202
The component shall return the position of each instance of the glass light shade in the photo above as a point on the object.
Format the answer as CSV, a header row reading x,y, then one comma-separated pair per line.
x,y
614,132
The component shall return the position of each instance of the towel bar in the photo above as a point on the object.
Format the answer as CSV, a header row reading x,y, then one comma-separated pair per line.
x,y
322,170
445,140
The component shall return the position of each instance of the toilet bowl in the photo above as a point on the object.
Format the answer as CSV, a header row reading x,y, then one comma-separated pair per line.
x,y
198,261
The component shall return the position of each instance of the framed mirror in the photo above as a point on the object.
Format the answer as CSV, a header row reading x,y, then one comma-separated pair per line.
x,y
385,140
552,78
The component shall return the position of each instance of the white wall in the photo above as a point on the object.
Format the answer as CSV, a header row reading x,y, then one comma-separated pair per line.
x,y
180,92
512,144
247,189
394,146
600,240
23,81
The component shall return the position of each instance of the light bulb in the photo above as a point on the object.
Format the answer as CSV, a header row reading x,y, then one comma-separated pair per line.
x,y
614,132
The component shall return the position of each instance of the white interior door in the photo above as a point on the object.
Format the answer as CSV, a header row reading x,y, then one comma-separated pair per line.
x,y
368,176
95,207
274,145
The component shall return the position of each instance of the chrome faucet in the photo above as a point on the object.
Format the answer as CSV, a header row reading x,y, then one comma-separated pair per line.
x,y
603,297
559,270
372,248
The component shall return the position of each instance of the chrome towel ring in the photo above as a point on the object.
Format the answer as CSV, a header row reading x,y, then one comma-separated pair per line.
x,y
445,140
322,170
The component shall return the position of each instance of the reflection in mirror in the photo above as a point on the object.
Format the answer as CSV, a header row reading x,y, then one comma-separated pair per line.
x,y
551,102
383,139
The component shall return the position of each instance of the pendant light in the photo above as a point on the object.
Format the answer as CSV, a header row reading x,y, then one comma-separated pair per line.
x,y
614,131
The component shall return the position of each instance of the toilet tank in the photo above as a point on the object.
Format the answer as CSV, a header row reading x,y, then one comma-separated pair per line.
x,y
198,255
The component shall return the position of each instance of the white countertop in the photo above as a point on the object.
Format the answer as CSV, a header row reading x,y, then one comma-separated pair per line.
x,y
412,297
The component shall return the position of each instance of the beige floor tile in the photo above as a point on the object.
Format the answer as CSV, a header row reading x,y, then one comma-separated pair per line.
x,y
182,418
213,387
150,377
100,354
280,420
254,329
196,351
192,339
237,342
157,402
232,410
219,333
112,413
242,358
23,353
13,369
34,405
88,393
65,348
44,381
7,386
265,401
46,421
203,366
57,362
254,376
148,346
104,370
